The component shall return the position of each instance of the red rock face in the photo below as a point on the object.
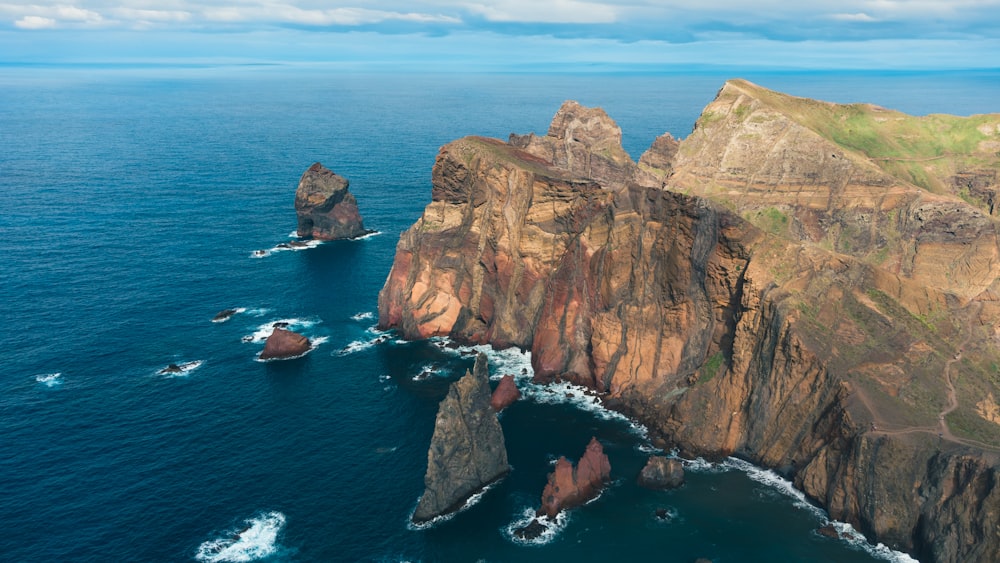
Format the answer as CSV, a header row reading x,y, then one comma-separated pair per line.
x,y
284,344
572,486
505,394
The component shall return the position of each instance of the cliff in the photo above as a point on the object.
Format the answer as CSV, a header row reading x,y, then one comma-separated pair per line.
x,y
467,450
325,207
772,287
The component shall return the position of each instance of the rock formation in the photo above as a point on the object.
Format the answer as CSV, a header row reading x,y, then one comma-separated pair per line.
x,y
570,486
282,344
662,473
467,450
809,286
505,394
325,208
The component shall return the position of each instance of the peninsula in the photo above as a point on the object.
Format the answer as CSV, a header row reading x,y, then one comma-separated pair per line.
x,y
809,286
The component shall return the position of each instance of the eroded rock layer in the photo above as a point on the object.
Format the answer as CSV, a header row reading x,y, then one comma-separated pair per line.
x,y
467,449
765,288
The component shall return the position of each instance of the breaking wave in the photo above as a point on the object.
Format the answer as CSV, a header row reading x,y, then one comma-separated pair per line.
x,y
257,540
783,486
552,527
293,245
469,503
49,379
180,370
363,316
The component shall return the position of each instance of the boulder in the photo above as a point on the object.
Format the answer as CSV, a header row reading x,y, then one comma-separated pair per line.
x,y
284,344
571,486
505,394
532,531
467,449
326,209
662,473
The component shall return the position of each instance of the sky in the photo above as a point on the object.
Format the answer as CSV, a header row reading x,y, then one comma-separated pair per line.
x,y
509,34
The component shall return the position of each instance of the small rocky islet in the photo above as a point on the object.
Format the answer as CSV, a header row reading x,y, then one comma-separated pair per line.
x,y
805,285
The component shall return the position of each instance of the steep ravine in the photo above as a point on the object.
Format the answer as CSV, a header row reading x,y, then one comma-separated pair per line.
x,y
722,336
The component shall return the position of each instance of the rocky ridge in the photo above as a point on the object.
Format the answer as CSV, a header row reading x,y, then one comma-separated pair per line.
x,y
467,450
326,209
765,288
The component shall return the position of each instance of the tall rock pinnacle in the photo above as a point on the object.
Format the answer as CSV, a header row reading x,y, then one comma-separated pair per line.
x,y
467,450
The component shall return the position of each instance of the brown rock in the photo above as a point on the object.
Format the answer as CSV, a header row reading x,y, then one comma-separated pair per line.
x,y
326,209
662,473
283,344
571,486
505,394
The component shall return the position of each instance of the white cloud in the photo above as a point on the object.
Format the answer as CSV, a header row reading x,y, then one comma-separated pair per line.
x,y
541,11
35,22
288,13
857,17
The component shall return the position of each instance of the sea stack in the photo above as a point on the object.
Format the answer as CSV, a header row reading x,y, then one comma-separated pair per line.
x,y
571,486
505,394
284,344
467,450
325,207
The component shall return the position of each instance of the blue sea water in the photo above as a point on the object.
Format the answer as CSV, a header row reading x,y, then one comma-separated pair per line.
x,y
131,201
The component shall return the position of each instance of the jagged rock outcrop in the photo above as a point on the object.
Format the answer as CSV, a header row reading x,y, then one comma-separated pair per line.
x,y
467,449
570,486
325,207
283,344
662,473
505,394
766,288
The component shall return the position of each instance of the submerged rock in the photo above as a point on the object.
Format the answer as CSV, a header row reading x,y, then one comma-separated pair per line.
x,y
467,449
505,394
284,344
224,315
662,473
326,209
571,486
531,531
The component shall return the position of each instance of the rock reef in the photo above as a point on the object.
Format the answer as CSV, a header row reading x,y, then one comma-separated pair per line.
x,y
809,286
467,449
284,344
662,473
325,208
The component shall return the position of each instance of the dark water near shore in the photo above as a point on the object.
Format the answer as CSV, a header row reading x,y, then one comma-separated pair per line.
x,y
130,204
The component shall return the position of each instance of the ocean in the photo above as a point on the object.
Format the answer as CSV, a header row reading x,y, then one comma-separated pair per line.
x,y
132,200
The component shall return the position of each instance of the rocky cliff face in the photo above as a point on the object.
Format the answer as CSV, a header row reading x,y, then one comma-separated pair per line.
x,y
763,288
467,450
325,208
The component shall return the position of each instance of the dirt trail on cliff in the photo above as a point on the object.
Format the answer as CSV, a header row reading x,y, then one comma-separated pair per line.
x,y
879,426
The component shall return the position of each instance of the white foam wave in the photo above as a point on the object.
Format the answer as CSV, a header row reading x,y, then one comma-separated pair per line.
x,y
552,527
49,379
851,536
257,540
180,370
426,372
847,532
359,345
367,236
265,330
293,245
469,503
235,311
384,378
363,316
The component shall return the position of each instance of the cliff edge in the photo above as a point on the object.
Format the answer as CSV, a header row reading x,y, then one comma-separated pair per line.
x,y
772,287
